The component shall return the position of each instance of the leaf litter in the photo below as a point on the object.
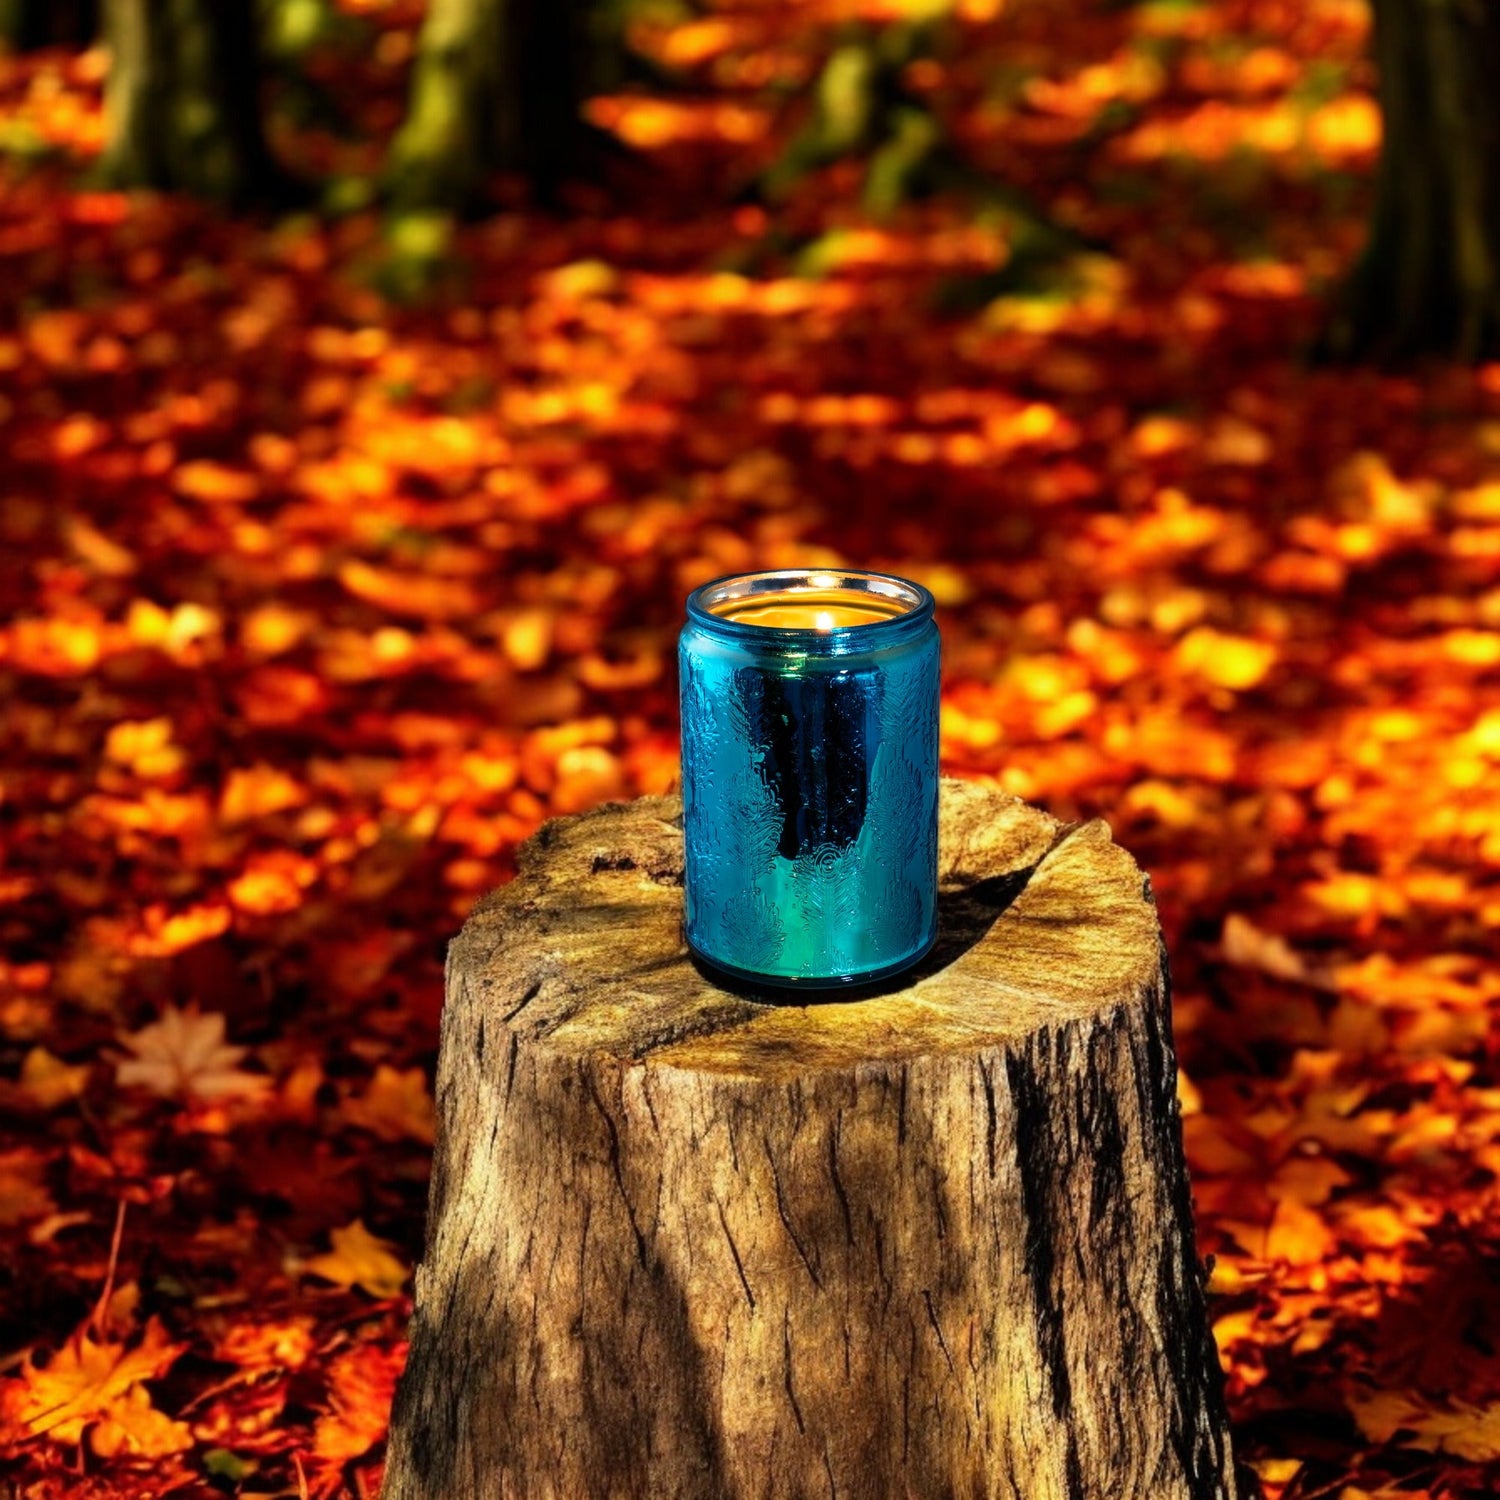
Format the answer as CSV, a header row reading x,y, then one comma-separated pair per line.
x,y
320,605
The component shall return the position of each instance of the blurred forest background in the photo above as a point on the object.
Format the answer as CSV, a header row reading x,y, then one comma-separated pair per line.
x,y
375,381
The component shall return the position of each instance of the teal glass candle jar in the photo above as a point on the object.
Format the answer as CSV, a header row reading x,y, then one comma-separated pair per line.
x,y
810,776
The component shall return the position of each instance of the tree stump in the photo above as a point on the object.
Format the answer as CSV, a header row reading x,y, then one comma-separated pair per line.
x,y
932,1242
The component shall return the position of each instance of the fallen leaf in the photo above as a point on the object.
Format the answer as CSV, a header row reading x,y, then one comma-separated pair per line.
x,y
1308,1180
1227,661
46,1081
259,791
397,1104
184,1055
1467,1431
359,1258
1298,1235
90,1384
1246,945
362,1382
257,1347
132,1425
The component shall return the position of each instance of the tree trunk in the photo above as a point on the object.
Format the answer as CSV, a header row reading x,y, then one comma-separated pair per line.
x,y
860,106
182,102
928,1243
498,87
1429,280
28,24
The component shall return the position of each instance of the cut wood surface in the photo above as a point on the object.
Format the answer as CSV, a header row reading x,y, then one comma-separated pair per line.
x,y
934,1241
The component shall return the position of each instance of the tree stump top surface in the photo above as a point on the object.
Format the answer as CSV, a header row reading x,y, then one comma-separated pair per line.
x,y
1040,923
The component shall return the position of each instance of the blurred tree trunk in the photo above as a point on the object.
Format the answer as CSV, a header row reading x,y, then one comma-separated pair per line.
x,y
498,86
28,24
1429,281
861,107
182,102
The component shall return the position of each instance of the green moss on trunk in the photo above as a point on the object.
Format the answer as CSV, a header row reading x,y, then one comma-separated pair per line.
x,y
861,107
498,87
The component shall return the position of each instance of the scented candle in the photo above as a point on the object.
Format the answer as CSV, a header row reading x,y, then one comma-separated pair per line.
x,y
810,776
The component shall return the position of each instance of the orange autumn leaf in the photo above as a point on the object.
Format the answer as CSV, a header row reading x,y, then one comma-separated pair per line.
x,y
1470,1432
396,1104
413,594
1226,661
362,1382
259,1347
52,648
145,747
47,1082
1298,1234
359,1258
216,483
165,932
1308,1180
92,1386
272,882
259,791
133,1426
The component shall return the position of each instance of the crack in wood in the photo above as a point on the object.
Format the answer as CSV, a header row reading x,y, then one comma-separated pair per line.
x,y
785,1216
838,1185
786,1354
734,1251
616,1165
942,1342
532,991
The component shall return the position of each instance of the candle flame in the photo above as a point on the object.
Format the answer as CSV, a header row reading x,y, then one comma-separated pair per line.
x,y
823,620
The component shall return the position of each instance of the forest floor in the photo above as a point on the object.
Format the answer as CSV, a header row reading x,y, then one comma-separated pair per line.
x,y
313,605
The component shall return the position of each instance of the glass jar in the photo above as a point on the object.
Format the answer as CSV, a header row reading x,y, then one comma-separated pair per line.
x,y
810,776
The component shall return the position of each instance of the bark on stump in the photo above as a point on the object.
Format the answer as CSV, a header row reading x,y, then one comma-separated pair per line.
x,y
932,1243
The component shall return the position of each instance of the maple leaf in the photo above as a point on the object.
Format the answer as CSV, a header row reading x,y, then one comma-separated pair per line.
x,y
1468,1432
359,1258
395,1105
93,1384
183,1055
